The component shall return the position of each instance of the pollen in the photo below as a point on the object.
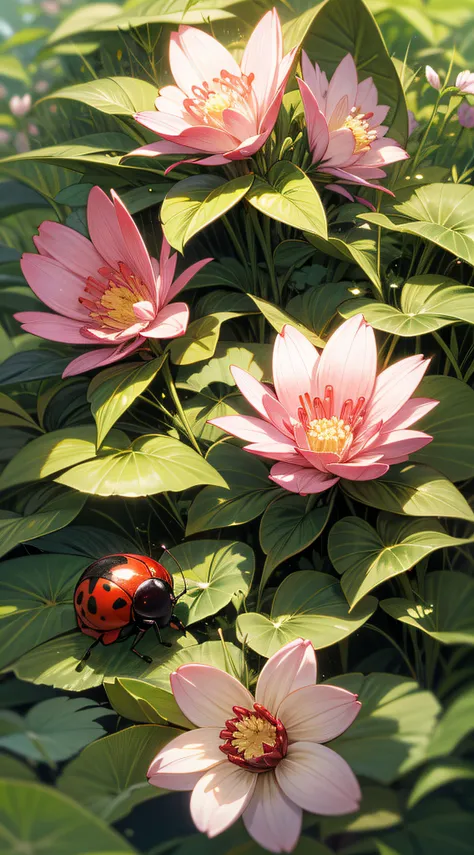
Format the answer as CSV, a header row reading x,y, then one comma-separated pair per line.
x,y
357,122
328,434
228,91
250,735
110,304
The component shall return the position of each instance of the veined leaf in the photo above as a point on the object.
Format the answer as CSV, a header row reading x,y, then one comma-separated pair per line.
x,y
116,96
287,195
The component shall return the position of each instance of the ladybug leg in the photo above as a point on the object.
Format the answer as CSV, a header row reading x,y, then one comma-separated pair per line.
x,y
175,623
138,637
158,635
80,665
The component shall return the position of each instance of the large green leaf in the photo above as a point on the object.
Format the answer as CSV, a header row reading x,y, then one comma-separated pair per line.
x,y
434,827
335,28
52,730
12,414
109,777
215,572
440,213
151,464
307,604
53,514
287,195
357,246
87,541
427,303
36,819
439,775
200,339
454,725
25,366
450,425
412,489
113,391
379,809
140,701
105,149
391,734
278,318
195,202
84,19
116,96
249,491
36,596
366,557
445,611
288,526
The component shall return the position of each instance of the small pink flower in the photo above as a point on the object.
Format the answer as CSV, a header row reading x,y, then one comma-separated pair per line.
x,y
330,415
106,291
3,91
21,142
20,105
412,123
4,136
33,129
218,107
41,86
50,7
466,115
465,82
432,77
260,758
344,123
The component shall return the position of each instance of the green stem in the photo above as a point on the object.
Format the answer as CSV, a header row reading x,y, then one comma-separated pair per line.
x,y
392,347
419,153
449,354
266,249
236,243
179,408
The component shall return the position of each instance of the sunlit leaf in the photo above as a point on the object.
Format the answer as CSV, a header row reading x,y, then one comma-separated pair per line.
x,y
287,195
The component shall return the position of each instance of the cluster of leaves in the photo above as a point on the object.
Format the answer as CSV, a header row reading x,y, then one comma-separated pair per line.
x,y
378,575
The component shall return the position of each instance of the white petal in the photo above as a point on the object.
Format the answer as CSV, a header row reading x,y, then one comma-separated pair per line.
x,y
220,797
193,751
319,780
318,713
271,818
291,668
206,694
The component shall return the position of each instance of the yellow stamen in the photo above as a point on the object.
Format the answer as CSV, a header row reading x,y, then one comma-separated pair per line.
x,y
217,103
250,735
363,135
328,434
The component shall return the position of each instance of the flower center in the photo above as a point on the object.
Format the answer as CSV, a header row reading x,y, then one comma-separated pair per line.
x,y
357,122
254,740
326,430
225,92
110,304
328,434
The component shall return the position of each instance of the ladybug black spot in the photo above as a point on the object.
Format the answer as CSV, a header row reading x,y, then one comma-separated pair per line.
x,y
83,613
119,603
80,598
92,605
102,617
106,586
92,584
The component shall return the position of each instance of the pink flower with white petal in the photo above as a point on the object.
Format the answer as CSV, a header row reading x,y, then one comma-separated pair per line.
x,y
432,77
260,757
344,123
465,82
106,291
219,107
330,416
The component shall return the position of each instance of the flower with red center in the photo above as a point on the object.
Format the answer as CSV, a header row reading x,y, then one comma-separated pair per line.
x,y
344,123
260,758
106,291
330,415
219,108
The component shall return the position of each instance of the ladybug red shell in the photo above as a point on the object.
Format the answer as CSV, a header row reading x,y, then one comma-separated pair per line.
x,y
120,595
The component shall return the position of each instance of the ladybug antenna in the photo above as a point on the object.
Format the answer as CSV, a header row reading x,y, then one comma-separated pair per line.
x,y
165,549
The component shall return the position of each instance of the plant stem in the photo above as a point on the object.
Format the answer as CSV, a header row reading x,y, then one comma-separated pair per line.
x,y
449,354
179,408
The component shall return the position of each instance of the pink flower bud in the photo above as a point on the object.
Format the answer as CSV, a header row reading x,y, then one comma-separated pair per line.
x,y
41,87
466,115
4,136
432,77
20,105
465,82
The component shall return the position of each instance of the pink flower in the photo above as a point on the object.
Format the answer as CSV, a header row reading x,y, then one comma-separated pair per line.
x,y
4,136
3,91
465,82
343,120
218,107
20,105
412,123
466,115
106,291
330,415
21,142
41,86
432,77
260,758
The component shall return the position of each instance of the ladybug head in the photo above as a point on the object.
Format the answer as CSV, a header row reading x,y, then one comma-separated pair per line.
x,y
153,601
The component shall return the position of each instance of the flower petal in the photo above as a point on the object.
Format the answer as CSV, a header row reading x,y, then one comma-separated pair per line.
x,y
190,752
316,80
52,327
348,363
69,248
294,367
393,388
262,57
343,84
291,668
100,357
55,285
298,479
132,239
171,322
220,797
411,412
206,695
399,443
252,430
318,780
318,134
359,469
271,818
182,280
255,392
318,713
195,57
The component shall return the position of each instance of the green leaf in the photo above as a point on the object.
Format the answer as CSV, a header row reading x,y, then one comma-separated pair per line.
x,y
446,610
151,464
454,725
358,246
366,558
11,67
109,777
379,809
140,198
249,491
54,514
87,541
215,572
223,655
307,604
318,305
139,701
450,424
113,391
32,365
200,339
412,489
17,197
115,96
434,827
195,202
217,370
38,819
84,19
16,769
12,414
104,150
440,213
36,596
287,195
52,730
287,527
439,775
278,318
391,734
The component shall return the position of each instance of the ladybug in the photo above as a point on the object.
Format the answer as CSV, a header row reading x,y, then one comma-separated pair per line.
x,y
121,595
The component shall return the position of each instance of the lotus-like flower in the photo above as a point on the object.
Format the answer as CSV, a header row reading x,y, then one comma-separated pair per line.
x,y
344,123
106,291
20,105
465,82
260,758
218,107
432,77
331,416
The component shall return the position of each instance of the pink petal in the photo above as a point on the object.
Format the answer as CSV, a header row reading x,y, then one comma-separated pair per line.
x,y
318,713
355,177
337,188
190,752
300,480
185,277
340,148
290,668
316,80
318,780
69,248
274,451
52,327
133,241
171,322
57,287
319,459
170,100
178,783
161,148
263,399
318,134
382,152
294,367
359,471
271,818
262,57
206,694
99,358
411,412
220,797
252,430
393,388
144,310
238,124
104,229
195,57
348,363
366,97
399,443
343,83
